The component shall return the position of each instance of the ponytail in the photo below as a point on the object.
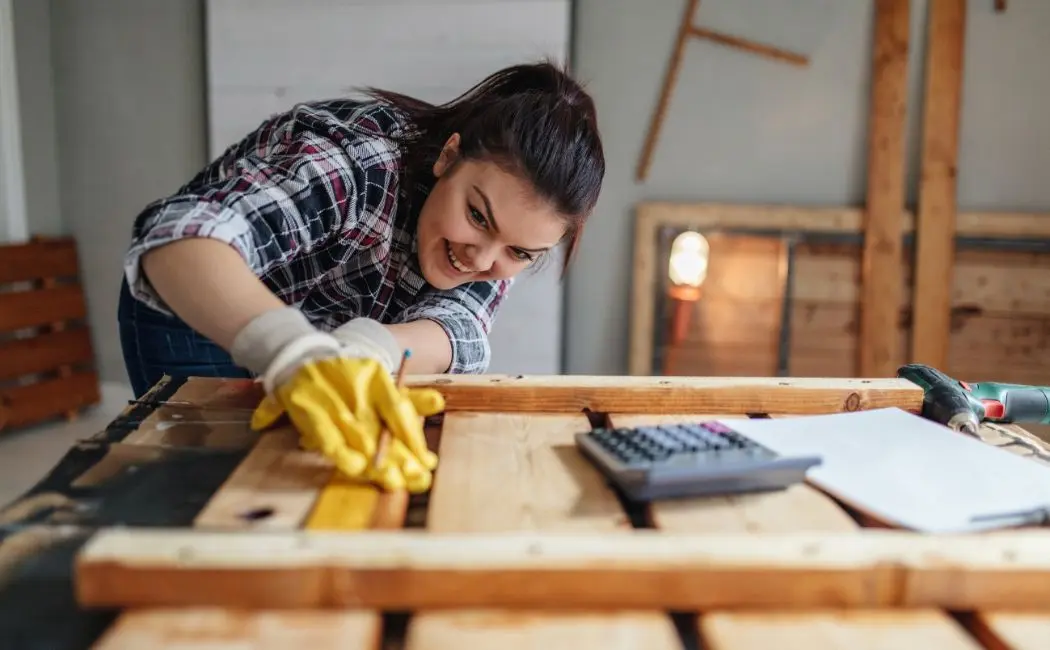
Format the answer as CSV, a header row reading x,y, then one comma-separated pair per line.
x,y
533,120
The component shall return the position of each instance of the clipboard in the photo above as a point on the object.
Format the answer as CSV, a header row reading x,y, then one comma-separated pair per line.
x,y
912,473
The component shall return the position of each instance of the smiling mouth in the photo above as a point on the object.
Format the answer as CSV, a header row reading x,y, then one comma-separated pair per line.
x,y
454,261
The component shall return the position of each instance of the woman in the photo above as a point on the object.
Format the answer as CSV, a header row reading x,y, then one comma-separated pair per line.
x,y
341,233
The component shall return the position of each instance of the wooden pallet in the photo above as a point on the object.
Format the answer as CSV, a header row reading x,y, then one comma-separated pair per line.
x,y
520,543
45,345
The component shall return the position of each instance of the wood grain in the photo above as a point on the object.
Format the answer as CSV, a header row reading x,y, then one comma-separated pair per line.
x,y
505,472
599,393
935,228
881,256
211,628
274,487
514,472
648,395
796,509
36,402
825,630
43,257
409,570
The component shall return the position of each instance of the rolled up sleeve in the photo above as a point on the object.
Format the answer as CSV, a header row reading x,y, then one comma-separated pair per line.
x,y
283,190
466,314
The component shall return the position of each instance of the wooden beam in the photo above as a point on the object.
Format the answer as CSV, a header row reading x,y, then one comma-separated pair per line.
x,y
881,257
575,393
748,45
669,81
653,215
409,570
935,231
642,395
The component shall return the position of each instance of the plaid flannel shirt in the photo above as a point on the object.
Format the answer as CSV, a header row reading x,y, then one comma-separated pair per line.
x,y
310,200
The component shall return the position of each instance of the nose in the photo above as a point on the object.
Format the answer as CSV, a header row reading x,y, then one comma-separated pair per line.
x,y
483,257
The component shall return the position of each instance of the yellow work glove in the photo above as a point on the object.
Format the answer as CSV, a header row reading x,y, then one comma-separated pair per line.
x,y
340,406
338,392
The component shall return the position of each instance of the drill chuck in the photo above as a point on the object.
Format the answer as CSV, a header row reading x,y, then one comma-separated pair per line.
x,y
945,400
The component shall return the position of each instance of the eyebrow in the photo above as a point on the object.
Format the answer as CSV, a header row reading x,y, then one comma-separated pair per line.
x,y
495,226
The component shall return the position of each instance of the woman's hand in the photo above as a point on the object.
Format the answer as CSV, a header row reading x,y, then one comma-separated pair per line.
x,y
339,394
340,406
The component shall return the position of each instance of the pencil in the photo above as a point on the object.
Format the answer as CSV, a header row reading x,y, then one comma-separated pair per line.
x,y
384,434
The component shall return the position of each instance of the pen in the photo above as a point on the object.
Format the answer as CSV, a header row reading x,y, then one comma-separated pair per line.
x,y
384,434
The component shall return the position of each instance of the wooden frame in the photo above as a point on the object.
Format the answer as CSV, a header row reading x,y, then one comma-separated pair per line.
x,y
1005,229
532,544
519,537
411,570
47,368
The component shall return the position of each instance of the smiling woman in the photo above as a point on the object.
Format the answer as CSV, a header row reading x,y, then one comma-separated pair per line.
x,y
359,229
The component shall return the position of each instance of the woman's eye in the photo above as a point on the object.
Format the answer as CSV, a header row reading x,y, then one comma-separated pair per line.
x,y
477,217
522,256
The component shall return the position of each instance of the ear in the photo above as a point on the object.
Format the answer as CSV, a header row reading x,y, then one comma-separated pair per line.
x,y
448,156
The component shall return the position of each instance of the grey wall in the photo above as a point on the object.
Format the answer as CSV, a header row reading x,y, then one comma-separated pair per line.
x,y
37,110
129,104
748,129
129,111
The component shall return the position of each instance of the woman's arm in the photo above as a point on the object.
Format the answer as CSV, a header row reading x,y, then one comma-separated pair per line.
x,y
209,285
451,327
430,346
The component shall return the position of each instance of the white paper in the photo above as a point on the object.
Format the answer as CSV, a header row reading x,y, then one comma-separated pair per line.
x,y
909,471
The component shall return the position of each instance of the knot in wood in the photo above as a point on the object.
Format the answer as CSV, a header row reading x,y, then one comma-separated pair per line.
x,y
852,402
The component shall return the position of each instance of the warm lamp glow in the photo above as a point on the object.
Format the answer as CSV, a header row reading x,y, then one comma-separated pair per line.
x,y
688,261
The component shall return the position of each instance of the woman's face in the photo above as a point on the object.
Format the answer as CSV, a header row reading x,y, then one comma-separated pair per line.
x,y
481,223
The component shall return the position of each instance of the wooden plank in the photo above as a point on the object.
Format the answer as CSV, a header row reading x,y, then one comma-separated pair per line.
x,y
599,393
935,227
31,403
798,508
172,425
548,630
208,629
274,487
46,352
412,570
843,220
856,630
575,393
1011,630
39,259
25,309
512,472
505,472
881,256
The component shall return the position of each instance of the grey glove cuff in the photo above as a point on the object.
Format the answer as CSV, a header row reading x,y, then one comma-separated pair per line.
x,y
369,338
257,345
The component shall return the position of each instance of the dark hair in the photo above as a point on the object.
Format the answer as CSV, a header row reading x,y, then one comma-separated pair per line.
x,y
533,120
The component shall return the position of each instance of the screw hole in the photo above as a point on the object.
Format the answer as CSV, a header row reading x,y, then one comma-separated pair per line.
x,y
519,376
665,382
255,514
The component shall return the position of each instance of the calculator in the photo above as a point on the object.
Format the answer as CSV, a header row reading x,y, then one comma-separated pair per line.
x,y
704,458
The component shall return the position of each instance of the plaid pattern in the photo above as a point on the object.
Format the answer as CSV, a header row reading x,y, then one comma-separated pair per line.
x,y
310,200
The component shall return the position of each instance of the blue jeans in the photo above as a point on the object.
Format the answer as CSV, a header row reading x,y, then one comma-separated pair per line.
x,y
155,345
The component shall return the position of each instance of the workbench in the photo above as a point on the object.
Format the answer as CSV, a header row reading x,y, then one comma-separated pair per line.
x,y
179,527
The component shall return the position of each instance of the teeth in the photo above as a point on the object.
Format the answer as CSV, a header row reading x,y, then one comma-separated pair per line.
x,y
455,260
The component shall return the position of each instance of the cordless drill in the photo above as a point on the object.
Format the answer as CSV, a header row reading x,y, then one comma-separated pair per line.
x,y
963,406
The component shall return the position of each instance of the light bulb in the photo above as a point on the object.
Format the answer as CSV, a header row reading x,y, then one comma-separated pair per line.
x,y
688,260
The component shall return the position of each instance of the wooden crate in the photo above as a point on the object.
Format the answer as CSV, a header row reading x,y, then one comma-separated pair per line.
x,y
46,355
521,543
